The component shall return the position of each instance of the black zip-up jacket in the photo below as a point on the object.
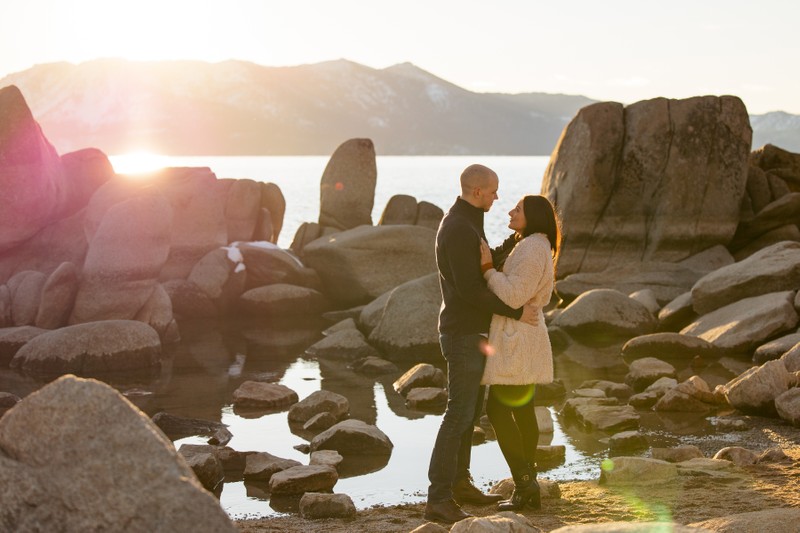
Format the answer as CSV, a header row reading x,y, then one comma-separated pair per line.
x,y
467,303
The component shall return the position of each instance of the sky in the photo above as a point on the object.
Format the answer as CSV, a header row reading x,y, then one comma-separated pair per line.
x,y
620,50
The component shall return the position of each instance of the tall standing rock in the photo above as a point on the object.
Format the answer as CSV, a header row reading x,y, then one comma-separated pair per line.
x,y
658,180
347,190
31,173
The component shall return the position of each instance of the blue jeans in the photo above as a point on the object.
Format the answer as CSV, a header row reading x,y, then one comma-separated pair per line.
x,y
451,453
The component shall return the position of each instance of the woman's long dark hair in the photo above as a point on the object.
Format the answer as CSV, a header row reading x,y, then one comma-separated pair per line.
x,y
540,217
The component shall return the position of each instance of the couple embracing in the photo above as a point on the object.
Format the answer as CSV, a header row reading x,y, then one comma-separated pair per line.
x,y
492,332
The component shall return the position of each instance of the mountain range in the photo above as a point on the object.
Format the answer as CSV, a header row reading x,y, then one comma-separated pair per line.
x,y
241,108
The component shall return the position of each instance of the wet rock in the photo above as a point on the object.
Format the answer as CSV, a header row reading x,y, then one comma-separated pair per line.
x,y
478,435
233,461
626,441
58,297
320,422
261,466
204,463
326,457
692,395
93,348
775,520
353,437
755,390
374,366
264,395
421,375
343,325
14,338
787,405
775,349
551,455
607,418
407,328
424,398
179,427
705,467
347,188
646,371
188,300
665,346
502,521
282,299
677,454
737,455
544,419
547,392
677,313
343,344
728,424
267,264
358,265
88,419
321,401
588,393
645,400
636,470
571,406
302,479
215,274
314,505
744,325
601,315
662,385
125,258
773,269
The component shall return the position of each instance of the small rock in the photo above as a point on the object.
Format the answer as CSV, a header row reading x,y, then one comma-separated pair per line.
x,y
353,437
302,447
8,400
430,527
346,324
626,441
677,454
422,398
608,418
502,521
421,375
737,455
302,479
551,455
261,466
549,489
326,457
203,460
727,424
264,395
773,455
320,422
636,470
588,393
478,435
647,370
788,406
321,401
645,400
343,344
374,366
314,505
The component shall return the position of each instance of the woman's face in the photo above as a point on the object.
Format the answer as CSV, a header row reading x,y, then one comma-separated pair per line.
x,y
517,221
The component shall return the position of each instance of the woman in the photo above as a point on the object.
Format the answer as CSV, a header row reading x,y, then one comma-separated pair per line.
x,y
519,271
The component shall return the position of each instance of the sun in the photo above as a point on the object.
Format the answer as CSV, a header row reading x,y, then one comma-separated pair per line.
x,y
138,162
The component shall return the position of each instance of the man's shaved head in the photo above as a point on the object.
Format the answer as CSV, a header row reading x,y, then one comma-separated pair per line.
x,y
476,176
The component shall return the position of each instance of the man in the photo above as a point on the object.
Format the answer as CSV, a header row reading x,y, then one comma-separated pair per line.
x,y
467,308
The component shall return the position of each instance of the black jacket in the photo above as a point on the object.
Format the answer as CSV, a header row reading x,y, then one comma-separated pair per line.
x,y
467,303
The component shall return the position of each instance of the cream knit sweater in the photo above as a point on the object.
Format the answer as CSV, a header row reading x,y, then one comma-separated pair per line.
x,y
521,353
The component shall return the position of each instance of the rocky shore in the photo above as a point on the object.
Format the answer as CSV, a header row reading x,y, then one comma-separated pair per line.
x,y
677,290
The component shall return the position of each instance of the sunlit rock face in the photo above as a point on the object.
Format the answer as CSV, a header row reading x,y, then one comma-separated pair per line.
x,y
658,180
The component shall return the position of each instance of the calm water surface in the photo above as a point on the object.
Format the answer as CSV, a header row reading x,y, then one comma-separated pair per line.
x,y
200,373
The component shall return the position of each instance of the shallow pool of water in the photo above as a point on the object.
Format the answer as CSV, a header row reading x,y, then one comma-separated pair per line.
x,y
200,373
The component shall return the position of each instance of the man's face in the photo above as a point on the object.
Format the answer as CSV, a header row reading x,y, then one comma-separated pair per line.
x,y
488,193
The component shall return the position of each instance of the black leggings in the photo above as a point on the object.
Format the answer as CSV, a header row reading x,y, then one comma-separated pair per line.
x,y
513,416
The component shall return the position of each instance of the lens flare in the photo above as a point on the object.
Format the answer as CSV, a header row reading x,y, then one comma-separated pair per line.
x,y
514,396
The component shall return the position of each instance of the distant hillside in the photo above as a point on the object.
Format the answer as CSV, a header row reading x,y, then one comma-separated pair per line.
x,y
778,128
240,108
236,107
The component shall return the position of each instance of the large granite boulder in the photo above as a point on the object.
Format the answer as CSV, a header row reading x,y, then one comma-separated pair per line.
x,y
31,173
755,390
358,265
92,348
603,315
282,299
26,293
85,171
77,456
242,207
347,189
126,254
772,269
744,325
657,180
14,338
58,297
273,206
407,328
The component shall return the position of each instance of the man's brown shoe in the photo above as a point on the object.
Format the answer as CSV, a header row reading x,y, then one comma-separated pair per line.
x,y
465,492
447,511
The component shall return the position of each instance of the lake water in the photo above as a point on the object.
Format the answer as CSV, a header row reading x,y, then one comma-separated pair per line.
x,y
201,372
430,178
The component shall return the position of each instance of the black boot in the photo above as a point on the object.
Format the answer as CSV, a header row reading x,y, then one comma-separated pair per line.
x,y
526,492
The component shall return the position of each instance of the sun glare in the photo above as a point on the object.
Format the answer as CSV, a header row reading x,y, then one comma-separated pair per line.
x,y
138,162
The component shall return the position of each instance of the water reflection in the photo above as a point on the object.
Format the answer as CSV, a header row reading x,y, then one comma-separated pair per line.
x,y
200,374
